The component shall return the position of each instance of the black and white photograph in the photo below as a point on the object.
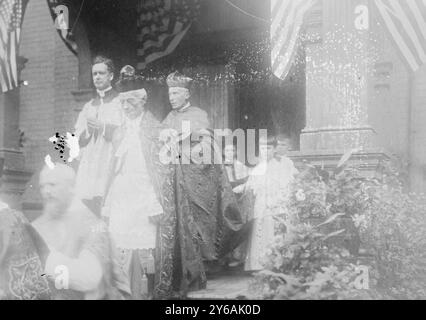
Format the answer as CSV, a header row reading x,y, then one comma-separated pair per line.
x,y
232,151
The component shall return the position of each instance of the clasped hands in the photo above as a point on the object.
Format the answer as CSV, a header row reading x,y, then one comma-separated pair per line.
x,y
94,124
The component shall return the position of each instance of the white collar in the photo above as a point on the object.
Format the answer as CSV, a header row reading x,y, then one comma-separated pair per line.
x,y
101,93
184,107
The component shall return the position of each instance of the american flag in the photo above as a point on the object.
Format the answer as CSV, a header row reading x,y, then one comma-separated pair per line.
x,y
406,22
287,19
64,31
162,24
11,14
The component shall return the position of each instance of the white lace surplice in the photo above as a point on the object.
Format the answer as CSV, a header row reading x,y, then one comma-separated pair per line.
x,y
269,182
96,156
132,199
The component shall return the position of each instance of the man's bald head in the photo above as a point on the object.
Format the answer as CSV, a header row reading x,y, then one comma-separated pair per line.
x,y
57,187
59,172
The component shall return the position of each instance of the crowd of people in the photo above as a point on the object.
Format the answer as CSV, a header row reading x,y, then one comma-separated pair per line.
x,y
126,224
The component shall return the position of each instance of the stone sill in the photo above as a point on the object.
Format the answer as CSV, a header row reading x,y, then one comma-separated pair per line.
x,y
224,288
332,154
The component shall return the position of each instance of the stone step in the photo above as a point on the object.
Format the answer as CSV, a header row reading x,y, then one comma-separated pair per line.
x,y
231,286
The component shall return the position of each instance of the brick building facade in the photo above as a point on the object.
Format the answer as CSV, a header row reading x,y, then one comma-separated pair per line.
x,y
47,104
386,116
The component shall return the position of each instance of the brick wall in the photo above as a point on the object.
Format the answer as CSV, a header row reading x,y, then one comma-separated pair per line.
x,y
46,103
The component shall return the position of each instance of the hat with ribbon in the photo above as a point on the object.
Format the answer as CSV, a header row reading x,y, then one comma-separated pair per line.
x,y
138,95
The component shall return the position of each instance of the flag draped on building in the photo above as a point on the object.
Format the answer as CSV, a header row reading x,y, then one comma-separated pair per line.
x,y
11,14
60,12
286,21
406,22
162,24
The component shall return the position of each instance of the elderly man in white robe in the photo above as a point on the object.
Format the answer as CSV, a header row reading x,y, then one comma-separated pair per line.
x,y
131,200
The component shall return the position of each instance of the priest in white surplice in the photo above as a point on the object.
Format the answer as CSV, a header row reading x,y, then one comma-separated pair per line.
x,y
95,127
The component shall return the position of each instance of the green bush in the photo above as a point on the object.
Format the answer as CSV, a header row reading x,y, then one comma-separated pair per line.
x,y
395,232
330,216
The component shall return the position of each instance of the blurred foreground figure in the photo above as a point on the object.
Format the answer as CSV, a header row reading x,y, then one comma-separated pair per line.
x,y
22,257
80,264
21,264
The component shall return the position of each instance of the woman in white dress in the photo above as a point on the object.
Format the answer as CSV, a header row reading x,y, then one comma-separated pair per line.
x,y
269,182
131,199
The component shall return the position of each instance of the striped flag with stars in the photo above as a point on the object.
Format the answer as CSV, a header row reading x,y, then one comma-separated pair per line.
x,y
406,22
60,12
162,24
286,21
11,14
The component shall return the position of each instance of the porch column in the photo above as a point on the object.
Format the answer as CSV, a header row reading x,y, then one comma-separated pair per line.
x,y
337,68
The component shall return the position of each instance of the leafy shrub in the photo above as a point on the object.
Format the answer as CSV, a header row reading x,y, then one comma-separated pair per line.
x,y
330,215
395,231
